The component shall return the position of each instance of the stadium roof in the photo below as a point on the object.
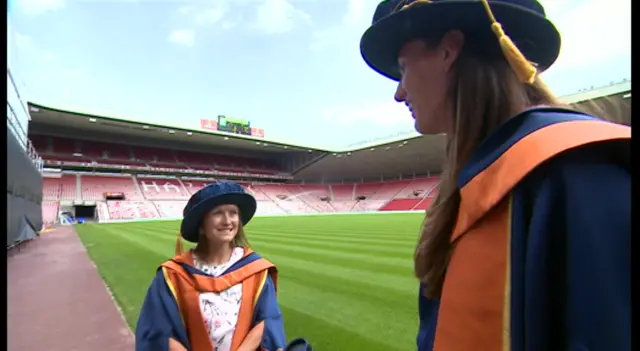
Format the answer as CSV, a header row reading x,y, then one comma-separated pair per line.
x,y
416,156
47,120
407,153
595,93
413,154
51,118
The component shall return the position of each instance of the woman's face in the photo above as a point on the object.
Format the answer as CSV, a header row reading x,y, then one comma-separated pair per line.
x,y
426,79
220,225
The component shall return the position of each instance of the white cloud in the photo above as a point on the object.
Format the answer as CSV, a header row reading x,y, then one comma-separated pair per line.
x,y
49,56
384,114
211,15
185,10
185,37
23,42
271,16
25,47
592,31
352,24
355,12
207,15
37,7
278,16
226,25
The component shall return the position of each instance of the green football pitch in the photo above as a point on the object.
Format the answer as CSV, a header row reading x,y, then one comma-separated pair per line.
x,y
345,281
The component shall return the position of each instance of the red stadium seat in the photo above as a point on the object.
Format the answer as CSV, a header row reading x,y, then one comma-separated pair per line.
x,y
343,192
94,187
50,212
170,209
132,210
63,188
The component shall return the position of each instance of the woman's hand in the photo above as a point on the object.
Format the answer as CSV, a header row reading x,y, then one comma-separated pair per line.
x,y
174,345
253,340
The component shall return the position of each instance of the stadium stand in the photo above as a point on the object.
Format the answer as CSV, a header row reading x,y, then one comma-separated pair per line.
x,y
162,189
132,210
49,212
94,187
152,197
134,178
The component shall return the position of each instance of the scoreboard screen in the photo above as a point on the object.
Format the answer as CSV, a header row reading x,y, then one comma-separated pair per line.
x,y
235,126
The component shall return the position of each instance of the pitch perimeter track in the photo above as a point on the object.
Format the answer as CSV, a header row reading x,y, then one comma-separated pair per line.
x,y
57,300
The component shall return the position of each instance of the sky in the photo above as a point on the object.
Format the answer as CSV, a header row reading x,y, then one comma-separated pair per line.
x,y
290,67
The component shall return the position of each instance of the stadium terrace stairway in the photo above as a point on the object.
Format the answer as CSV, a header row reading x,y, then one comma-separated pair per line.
x,y
165,197
400,205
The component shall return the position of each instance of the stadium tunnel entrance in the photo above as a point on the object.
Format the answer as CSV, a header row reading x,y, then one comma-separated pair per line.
x,y
85,213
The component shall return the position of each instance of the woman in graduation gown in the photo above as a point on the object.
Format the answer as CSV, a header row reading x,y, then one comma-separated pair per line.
x,y
527,246
219,296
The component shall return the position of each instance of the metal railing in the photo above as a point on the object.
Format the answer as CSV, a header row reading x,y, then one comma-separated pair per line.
x,y
17,120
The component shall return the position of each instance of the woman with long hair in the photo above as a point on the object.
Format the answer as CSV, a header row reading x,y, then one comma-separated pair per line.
x,y
527,245
220,295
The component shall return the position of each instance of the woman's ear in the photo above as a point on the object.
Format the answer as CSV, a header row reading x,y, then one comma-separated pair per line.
x,y
450,47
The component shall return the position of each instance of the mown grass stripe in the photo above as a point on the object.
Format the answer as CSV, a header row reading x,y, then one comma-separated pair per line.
x,y
347,312
377,249
392,282
328,336
346,282
340,232
338,238
295,250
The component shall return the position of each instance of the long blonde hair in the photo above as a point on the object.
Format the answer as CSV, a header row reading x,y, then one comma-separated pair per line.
x,y
485,93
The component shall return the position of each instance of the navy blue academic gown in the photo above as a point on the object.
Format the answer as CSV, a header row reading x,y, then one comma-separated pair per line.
x,y
569,276
160,318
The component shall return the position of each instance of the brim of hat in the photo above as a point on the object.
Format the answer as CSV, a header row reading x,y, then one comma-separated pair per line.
x,y
190,227
298,344
536,37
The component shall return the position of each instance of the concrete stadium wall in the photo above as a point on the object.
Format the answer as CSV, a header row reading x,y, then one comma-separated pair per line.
x,y
24,193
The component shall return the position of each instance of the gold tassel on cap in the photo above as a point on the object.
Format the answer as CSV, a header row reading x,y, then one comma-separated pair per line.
x,y
525,71
415,2
179,248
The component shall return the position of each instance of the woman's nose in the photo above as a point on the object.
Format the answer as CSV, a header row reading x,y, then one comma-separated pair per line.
x,y
400,94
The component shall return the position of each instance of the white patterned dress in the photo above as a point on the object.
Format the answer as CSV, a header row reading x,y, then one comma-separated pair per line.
x,y
220,311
